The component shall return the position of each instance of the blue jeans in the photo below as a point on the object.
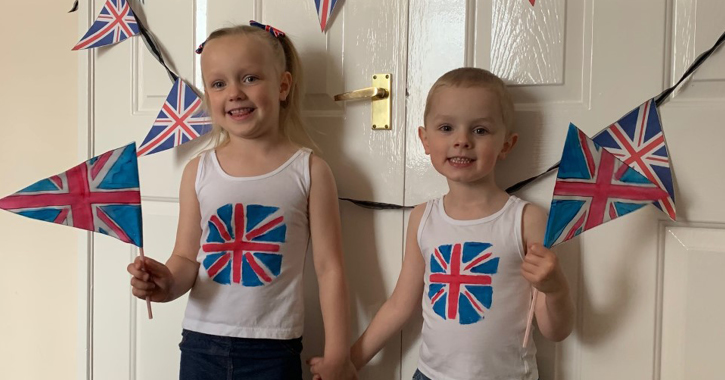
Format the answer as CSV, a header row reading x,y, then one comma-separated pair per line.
x,y
211,357
420,376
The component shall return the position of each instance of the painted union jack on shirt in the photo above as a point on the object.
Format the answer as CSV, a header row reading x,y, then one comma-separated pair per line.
x,y
244,243
592,188
638,140
115,23
460,281
99,195
180,120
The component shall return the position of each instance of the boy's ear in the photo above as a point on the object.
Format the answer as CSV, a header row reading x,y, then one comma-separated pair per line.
x,y
285,85
423,138
508,144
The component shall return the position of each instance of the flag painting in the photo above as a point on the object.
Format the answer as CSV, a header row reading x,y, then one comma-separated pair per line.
x,y
460,281
243,244
637,139
324,11
180,120
99,195
592,188
115,23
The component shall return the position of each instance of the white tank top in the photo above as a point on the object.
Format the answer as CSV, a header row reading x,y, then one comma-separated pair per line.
x,y
476,300
255,235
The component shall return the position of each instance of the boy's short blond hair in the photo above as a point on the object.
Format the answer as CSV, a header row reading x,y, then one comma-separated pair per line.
x,y
475,77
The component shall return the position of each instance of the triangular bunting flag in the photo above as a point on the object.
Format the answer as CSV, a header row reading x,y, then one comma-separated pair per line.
x,y
592,188
533,2
324,11
638,140
99,195
115,23
180,120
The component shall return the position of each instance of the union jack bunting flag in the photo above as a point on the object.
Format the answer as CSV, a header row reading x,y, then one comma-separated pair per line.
x,y
99,195
243,244
115,23
180,120
460,281
324,11
592,188
638,140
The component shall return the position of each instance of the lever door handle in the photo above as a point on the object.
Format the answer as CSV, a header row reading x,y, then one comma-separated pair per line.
x,y
374,93
380,96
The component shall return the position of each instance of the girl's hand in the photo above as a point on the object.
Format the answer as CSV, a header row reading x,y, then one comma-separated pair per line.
x,y
541,269
332,369
150,279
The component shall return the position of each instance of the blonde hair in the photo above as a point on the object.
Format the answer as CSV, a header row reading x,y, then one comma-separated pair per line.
x,y
474,77
291,122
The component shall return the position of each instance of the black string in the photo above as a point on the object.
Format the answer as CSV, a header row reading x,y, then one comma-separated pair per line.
x,y
700,59
153,47
375,205
75,7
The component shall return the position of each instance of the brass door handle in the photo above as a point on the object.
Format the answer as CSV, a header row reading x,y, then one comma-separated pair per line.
x,y
365,93
379,94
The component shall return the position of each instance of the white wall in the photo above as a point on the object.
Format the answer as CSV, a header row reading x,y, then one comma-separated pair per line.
x,y
38,104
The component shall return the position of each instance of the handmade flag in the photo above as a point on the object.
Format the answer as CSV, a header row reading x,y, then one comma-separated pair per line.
x,y
592,188
99,195
638,140
180,120
460,281
532,2
243,244
115,23
324,11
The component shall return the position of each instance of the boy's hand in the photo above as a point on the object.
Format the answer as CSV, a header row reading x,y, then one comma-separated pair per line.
x,y
541,269
150,279
323,369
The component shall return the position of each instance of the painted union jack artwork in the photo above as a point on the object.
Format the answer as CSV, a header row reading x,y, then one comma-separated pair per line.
x,y
99,195
244,243
324,11
638,140
115,23
592,188
460,281
180,120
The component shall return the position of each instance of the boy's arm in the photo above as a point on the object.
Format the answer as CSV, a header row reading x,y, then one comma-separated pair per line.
x,y
400,306
554,307
325,232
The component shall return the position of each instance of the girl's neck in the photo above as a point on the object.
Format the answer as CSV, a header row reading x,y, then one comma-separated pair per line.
x,y
473,201
246,158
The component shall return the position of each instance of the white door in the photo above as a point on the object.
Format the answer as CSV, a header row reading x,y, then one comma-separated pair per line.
x,y
647,290
582,61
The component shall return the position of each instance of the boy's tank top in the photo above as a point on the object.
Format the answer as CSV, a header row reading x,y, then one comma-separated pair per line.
x,y
255,235
475,301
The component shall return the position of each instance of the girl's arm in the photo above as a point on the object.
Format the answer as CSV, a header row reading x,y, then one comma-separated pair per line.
x,y
325,232
554,307
402,303
168,282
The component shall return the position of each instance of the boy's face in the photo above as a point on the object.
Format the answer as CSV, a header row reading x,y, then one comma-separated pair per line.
x,y
464,133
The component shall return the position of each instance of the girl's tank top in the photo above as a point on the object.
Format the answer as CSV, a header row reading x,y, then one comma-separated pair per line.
x,y
475,301
255,235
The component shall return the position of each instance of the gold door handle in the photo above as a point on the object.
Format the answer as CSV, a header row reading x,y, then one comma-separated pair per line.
x,y
365,93
379,94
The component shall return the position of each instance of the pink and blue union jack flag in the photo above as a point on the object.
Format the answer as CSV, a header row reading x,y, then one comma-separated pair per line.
x,y
244,243
638,140
115,23
99,195
324,11
592,188
180,120
460,281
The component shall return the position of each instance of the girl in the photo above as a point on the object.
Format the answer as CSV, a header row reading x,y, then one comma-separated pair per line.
x,y
248,209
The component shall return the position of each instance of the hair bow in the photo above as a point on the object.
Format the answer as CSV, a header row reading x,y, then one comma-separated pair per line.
x,y
272,30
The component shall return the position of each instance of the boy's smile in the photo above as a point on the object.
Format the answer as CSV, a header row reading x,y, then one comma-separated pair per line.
x,y
464,133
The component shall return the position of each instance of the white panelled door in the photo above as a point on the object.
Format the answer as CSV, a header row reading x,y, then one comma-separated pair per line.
x,y
578,60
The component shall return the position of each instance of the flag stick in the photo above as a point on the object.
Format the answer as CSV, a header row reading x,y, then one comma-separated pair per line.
x,y
148,298
530,318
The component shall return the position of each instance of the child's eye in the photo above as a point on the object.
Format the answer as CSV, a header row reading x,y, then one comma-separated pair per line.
x,y
217,84
445,128
480,131
250,79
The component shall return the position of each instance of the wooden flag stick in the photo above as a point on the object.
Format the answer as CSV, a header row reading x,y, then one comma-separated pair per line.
x,y
148,299
530,318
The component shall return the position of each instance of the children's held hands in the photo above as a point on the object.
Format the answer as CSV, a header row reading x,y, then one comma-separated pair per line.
x,y
541,269
150,278
332,369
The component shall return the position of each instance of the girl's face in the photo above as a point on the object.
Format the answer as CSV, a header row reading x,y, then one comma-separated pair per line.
x,y
465,134
244,85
